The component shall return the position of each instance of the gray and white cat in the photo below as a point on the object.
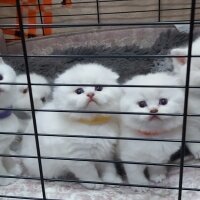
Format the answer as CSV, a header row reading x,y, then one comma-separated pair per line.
x,y
22,101
8,123
92,98
180,67
156,101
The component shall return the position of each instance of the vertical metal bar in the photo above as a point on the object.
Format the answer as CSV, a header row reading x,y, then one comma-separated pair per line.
x,y
31,95
41,19
159,9
98,14
192,18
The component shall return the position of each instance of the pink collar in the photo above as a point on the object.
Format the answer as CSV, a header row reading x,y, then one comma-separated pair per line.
x,y
148,133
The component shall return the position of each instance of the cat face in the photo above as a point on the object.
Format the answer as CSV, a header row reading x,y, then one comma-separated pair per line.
x,y
180,63
7,74
40,93
153,101
92,98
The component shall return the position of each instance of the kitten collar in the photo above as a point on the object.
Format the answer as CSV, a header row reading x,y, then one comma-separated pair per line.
x,y
148,133
5,113
155,133
97,120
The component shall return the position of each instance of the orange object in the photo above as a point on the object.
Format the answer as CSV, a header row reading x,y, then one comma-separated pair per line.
x,y
31,15
47,17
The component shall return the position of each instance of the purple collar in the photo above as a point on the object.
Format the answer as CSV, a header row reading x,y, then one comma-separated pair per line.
x,y
5,113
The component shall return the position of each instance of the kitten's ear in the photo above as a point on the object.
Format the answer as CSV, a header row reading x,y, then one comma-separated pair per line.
x,y
59,79
1,60
179,52
115,76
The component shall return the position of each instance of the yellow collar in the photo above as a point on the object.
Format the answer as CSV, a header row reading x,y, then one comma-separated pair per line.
x,y
97,120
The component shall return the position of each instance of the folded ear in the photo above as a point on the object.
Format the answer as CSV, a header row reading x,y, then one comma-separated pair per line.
x,y
179,52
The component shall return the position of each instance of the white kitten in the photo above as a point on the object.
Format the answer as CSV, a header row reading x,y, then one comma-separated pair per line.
x,y
40,96
154,101
180,67
92,98
8,121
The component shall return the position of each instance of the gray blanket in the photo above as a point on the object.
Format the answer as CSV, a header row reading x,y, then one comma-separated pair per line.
x,y
126,67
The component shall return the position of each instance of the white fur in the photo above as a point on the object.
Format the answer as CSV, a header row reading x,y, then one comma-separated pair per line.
x,y
23,99
168,126
9,124
180,67
65,98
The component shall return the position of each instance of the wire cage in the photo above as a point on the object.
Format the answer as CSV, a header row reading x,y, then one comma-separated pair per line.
x,y
29,20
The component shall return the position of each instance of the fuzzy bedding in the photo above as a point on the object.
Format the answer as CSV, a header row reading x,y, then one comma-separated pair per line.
x,y
157,43
72,191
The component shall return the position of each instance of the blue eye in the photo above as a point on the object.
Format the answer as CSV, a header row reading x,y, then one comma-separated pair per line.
x,y
163,101
142,104
79,91
98,88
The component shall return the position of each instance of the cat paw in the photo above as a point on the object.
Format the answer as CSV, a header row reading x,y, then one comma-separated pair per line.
x,y
16,170
7,181
195,150
158,178
92,186
112,178
143,183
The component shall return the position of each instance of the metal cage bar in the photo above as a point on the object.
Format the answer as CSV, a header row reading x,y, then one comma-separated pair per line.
x,y
192,18
23,40
36,134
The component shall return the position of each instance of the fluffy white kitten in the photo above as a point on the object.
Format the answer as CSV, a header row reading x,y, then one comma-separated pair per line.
x,y
93,98
180,67
40,96
8,122
154,101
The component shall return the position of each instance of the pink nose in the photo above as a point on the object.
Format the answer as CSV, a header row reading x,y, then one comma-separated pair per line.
x,y
154,110
90,95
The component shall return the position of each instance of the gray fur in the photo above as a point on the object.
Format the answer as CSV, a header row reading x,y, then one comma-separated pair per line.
x,y
126,67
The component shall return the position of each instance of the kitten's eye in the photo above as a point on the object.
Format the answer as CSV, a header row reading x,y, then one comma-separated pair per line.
x,y
43,99
79,91
163,101
1,77
98,88
24,91
142,104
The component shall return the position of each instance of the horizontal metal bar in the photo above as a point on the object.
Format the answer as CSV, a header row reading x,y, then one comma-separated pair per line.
x,y
54,4
107,183
22,197
91,160
101,161
103,85
102,13
99,112
100,137
77,2
97,56
26,26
